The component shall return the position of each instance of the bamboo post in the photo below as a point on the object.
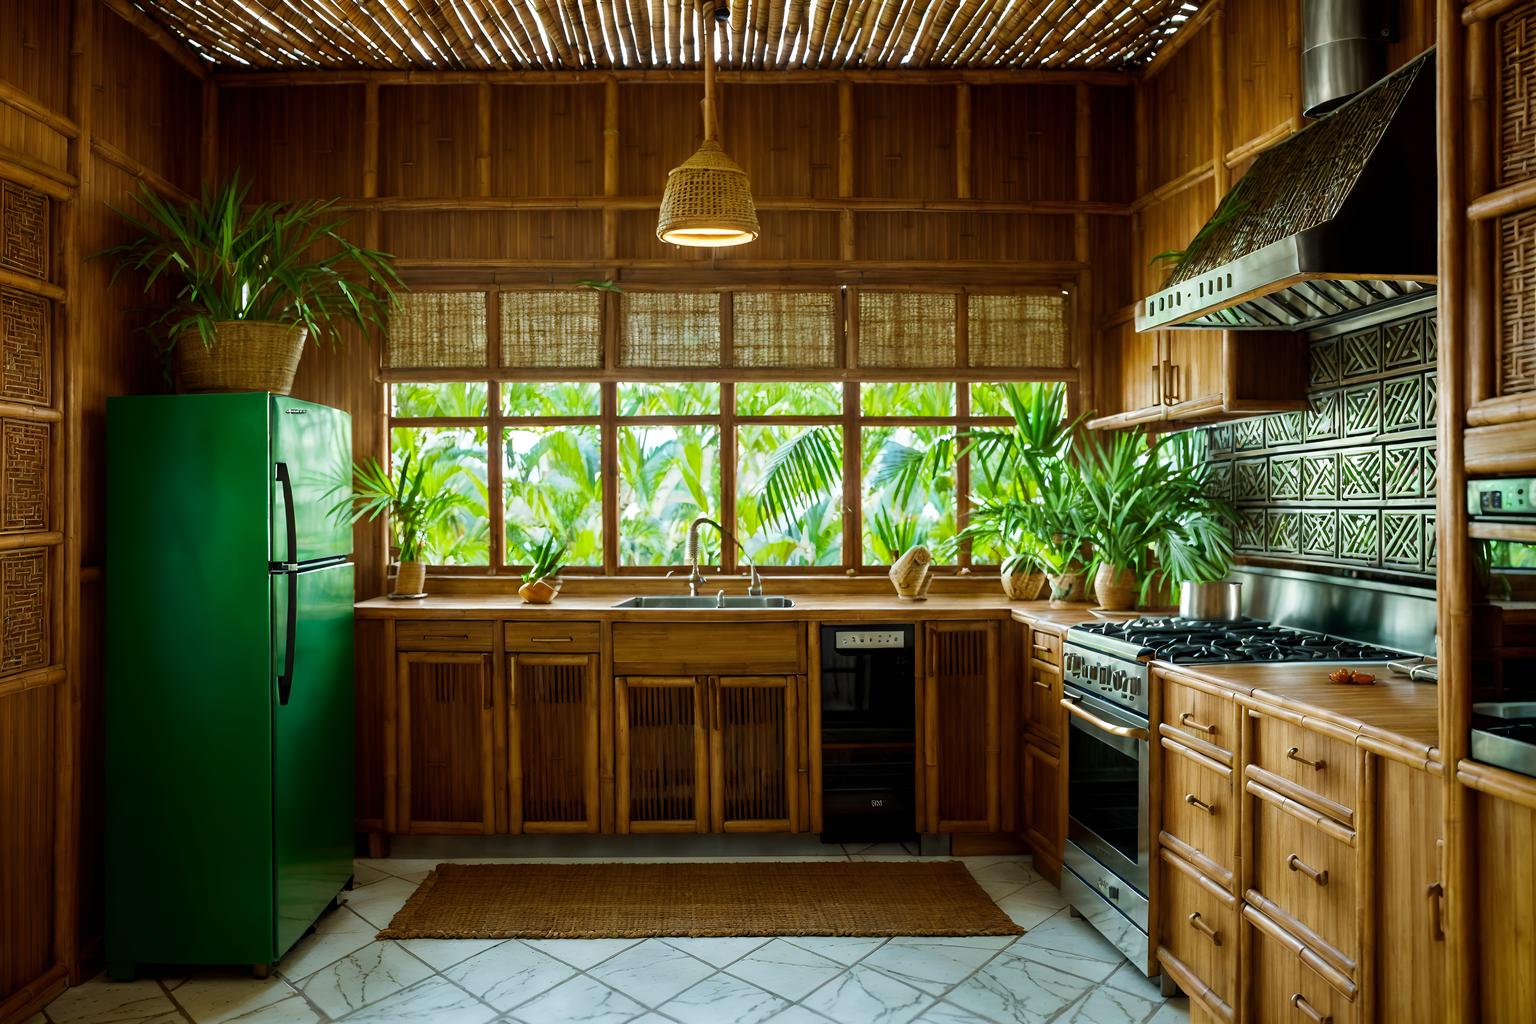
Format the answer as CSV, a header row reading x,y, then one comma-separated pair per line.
x,y
1084,335
610,166
483,139
962,141
845,167
1218,86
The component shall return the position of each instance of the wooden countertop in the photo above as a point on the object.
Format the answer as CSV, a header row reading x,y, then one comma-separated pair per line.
x,y
1392,711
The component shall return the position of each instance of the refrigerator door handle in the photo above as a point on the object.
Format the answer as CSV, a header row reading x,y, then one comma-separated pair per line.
x,y
290,635
290,526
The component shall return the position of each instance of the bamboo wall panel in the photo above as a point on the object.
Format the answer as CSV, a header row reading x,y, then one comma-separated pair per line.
x,y
548,141
28,738
1516,114
1170,224
425,136
963,236
1177,101
490,235
1114,277
659,127
789,132
294,142
34,49
1263,67
1517,303
904,144
371,681
91,744
1112,129
38,143
1024,142
786,235
1415,32
145,104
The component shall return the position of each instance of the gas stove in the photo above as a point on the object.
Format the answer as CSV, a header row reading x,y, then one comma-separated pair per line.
x,y
1111,658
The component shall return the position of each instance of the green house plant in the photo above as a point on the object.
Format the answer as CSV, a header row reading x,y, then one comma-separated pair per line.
x,y
542,580
253,283
416,499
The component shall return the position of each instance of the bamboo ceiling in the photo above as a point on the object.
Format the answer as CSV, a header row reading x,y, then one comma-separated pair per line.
x,y
667,34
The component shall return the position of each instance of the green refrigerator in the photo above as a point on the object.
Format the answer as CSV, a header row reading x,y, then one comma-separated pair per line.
x,y
229,693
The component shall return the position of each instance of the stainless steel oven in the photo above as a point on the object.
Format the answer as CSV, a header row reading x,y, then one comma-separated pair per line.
x,y
1109,845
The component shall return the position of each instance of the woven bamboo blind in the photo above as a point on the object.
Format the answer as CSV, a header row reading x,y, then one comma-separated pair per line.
x,y
785,329
664,329
1517,306
906,329
437,330
1517,104
552,328
1016,330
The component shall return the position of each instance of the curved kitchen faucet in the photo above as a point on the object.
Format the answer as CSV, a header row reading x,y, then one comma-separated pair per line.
x,y
696,579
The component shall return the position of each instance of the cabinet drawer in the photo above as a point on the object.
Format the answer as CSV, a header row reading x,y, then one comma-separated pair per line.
x,y
1200,809
1199,930
1286,986
1194,714
1304,874
1045,645
554,637
1320,769
445,635
707,648
1042,701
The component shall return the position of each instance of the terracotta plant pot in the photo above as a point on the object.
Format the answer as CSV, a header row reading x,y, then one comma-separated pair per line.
x,y
1021,584
1066,588
539,591
411,580
1117,588
246,355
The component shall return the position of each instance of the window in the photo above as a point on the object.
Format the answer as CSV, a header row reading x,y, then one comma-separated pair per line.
x,y
620,470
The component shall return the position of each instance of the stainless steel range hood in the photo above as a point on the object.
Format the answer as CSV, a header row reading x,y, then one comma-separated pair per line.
x,y
1337,219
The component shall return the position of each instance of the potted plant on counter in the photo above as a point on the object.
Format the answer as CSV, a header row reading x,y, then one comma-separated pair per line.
x,y
542,580
253,283
416,500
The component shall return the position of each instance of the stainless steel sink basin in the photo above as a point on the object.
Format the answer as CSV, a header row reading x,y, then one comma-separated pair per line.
x,y
736,603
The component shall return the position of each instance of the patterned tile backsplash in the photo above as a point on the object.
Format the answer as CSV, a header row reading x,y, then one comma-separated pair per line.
x,y
1351,481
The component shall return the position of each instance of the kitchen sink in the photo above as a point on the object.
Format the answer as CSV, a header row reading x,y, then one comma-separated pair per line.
x,y
737,602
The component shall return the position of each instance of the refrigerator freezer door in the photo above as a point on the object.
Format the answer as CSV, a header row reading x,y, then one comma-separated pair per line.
x,y
312,740
312,445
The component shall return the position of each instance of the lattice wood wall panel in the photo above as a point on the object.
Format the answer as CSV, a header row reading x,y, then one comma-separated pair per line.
x,y
23,230
26,344
662,734
556,714
754,736
447,747
1352,480
1517,104
24,475
959,663
1517,303
26,593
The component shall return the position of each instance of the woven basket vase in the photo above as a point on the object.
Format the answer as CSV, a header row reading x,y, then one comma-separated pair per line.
x,y
246,355
708,190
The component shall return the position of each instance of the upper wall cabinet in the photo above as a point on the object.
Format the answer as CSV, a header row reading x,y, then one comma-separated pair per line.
x,y
1179,377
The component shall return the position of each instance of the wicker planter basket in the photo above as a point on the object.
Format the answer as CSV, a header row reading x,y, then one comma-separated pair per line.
x,y
1117,588
411,580
246,355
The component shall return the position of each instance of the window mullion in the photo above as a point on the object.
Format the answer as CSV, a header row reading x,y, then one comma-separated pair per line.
x,y
493,476
962,475
727,465
853,507
609,442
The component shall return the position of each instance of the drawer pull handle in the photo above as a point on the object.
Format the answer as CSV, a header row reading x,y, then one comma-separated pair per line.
x,y
1200,926
1295,755
445,636
1437,893
1295,863
551,639
1198,804
1308,1011
1194,723
1042,684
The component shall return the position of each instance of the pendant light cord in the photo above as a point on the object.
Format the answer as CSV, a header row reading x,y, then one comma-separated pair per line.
x,y
709,71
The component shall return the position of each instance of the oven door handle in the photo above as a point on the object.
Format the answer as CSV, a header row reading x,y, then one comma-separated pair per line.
x,y
1128,732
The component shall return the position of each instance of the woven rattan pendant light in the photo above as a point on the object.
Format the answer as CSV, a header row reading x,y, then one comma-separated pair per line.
x,y
708,199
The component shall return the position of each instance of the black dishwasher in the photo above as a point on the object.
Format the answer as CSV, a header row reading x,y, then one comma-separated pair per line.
x,y
868,733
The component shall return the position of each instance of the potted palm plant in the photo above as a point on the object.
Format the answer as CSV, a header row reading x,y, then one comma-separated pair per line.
x,y
542,580
253,283
416,500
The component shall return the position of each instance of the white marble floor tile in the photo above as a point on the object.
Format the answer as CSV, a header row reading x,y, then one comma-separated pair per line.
x,y
721,998
1032,905
1015,991
785,969
872,850
717,952
216,996
796,1015
651,972
100,1001
845,949
864,994
509,974
441,954
364,976
935,963
948,1013
1109,1005
581,953
1130,979
409,869
582,1000
366,873
336,934
377,903
999,891
1070,945
1018,871
434,1001
290,1010
1174,1011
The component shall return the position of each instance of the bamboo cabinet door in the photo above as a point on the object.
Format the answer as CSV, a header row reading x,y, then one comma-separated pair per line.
x,y
552,742
961,730
1193,369
1044,809
661,754
1407,901
753,758
447,709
